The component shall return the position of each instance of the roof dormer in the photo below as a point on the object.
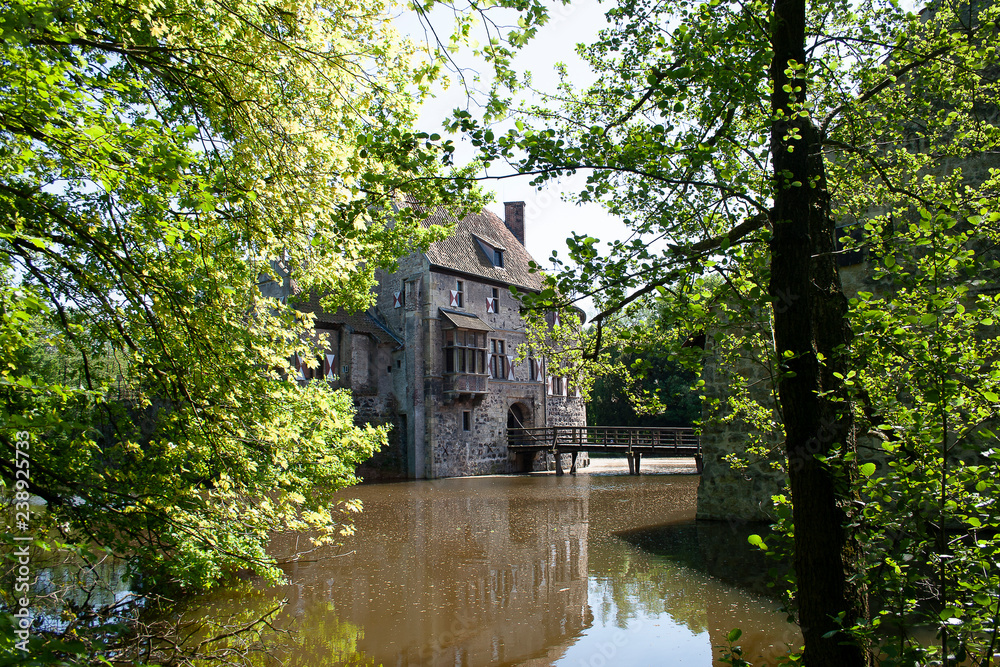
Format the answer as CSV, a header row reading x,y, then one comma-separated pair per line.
x,y
493,250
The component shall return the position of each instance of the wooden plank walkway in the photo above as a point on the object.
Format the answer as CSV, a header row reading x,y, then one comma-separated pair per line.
x,y
633,442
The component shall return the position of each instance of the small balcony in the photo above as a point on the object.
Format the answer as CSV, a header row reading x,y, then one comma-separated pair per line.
x,y
469,384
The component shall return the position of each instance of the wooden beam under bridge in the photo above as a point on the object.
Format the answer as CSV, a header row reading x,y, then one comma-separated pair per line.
x,y
632,441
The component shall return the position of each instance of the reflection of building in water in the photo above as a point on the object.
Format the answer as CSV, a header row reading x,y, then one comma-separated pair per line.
x,y
495,571
454,577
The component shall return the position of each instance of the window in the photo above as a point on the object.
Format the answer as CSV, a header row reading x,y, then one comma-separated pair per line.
x,y
324,367
459,293
493,251
464,351
534,369
500,367
466,420
557,385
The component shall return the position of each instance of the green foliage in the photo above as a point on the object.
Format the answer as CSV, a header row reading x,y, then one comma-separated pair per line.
x,y
645,383
931,338
156,158
677,138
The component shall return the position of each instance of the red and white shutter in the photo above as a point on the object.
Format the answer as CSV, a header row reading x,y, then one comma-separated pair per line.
x,y
555,318
454,299
300,367
510,367
397,300
330,367
491,305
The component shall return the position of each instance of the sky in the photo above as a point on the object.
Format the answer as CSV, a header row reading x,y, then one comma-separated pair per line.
x,y
549,220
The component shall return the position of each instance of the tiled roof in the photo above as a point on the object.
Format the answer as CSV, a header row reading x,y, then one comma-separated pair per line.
x,y
465,320
354,322
461,251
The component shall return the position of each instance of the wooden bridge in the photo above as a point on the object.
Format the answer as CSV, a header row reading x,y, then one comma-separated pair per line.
x,y
633,442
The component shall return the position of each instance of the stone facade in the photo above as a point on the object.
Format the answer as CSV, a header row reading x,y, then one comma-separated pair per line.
x,y
727,493
437,356
745,494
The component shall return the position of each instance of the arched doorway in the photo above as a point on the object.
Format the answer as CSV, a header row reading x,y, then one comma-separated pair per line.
x,y
515,417
518,416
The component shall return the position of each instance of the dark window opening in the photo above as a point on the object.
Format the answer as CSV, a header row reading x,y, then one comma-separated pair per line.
x,y
499,364
464,351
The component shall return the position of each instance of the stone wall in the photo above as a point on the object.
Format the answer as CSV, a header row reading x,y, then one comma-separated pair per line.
x,y
725,492
728,493
380,407
483,448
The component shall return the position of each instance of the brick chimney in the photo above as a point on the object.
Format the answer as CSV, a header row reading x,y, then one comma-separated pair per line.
x,y
513,217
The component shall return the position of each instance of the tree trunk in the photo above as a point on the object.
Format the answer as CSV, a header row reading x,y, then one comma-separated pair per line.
x,y
809,320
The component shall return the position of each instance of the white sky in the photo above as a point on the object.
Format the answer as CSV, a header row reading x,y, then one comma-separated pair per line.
x,y
548,219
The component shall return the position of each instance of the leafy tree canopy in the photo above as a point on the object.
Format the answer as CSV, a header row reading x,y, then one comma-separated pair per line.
x,y
645,384
156,158
733,138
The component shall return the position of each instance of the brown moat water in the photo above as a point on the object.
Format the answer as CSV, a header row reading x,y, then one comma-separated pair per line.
x,y
597,569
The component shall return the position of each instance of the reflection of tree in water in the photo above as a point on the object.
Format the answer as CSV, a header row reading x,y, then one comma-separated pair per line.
x,y
660,573
269,631
704,575
716,548
85,595
640,584
67,588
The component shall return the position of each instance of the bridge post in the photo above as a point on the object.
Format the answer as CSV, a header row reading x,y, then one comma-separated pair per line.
x,y
699,463
631,464
559,469
572,468
638,459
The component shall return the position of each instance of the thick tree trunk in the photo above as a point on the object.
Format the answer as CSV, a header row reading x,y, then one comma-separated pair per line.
x,y
809,310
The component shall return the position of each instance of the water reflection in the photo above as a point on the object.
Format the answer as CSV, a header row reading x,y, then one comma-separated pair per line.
x,y
716,548
518,571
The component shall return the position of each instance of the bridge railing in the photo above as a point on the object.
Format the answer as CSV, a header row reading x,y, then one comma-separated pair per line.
x,y
663,440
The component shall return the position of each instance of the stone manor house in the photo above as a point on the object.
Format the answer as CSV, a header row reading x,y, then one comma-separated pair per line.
x,y
437,356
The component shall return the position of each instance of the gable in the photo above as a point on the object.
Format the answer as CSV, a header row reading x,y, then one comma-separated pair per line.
x,y
470,250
